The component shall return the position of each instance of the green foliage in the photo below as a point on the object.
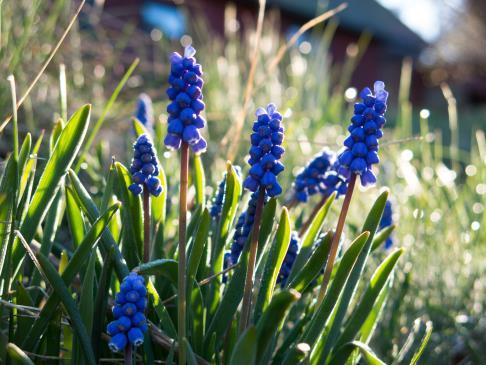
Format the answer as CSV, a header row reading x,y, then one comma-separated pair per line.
x,y
74,210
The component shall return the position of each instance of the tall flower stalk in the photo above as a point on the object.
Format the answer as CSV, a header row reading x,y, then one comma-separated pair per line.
x,y
184,122
265,153
359,155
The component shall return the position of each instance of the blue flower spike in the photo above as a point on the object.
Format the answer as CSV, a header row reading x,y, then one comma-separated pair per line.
x,y
361,146
386,221
130,323
266,151
145,168
290,256
243,228
310,180
185,93
144,112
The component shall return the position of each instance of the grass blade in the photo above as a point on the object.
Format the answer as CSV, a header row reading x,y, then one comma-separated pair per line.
x,y
62,291
273,263
59,163
245,350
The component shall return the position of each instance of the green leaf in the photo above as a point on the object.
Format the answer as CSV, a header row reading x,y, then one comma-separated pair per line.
x,y
273,263
199,180
415,344
101,302
368,300
132,217
86,305
382,236
62,291
266,226
107,241
245,351
345,351
55,134
343,272
232,192
62,157
164,267
24,155
313,266
197,249
310,237
17,356
74,218
78,260
7,211
229,304
165,320
272,317
326,343
191,357
30,165
297,354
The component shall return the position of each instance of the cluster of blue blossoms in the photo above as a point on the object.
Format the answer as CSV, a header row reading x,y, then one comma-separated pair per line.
x,y
310,180
266,151
386,221
144,112
130,323
334,181
361,147
243,227
217,201
144,168
293,250
185,92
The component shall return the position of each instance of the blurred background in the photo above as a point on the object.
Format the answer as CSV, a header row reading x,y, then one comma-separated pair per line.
x,y
430,53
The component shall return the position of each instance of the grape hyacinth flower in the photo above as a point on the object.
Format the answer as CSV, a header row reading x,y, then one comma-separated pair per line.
x,y
361,147
386,221
334,181
243,228
227,262
130,323
310,180
185,93
290,256
266,151
144,112
359,155
144,168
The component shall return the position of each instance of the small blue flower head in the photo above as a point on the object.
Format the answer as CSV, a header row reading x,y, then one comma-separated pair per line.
x,y
311,179
266,151
145,168
226,263
185,93
130,323
144,112
334,181
243,228
290,256
386,221
361,147
217,201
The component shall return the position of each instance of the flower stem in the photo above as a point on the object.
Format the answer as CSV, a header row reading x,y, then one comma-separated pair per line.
x,y
146,225
309,220
336,238
128,354
245,309
181,304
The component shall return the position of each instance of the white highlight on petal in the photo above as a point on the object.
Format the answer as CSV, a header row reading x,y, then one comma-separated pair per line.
x,y
271,108
260,111
378,85
189,51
